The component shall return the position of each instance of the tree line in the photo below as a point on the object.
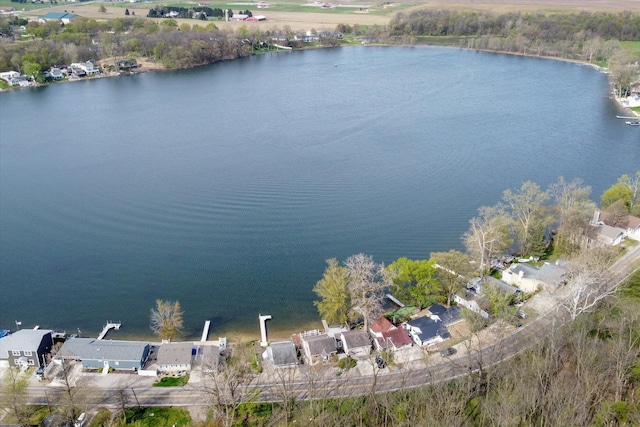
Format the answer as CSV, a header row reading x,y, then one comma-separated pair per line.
x,y
529,222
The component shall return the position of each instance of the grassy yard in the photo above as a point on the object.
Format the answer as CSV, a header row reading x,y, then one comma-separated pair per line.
x,y
158,417
172,381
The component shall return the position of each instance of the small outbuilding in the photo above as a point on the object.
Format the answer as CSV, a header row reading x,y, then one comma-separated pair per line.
x,y
282,354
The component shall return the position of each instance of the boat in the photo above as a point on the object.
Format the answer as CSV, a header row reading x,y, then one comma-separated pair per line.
x,y
633,123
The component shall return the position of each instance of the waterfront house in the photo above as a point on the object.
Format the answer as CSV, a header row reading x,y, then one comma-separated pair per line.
x,y
474,302
26,347
629,224
318,348
387,336
282,354
175,357
478,284
105,354
426,332
356,342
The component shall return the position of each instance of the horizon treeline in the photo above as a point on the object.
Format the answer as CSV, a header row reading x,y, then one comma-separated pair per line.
x,y
586,36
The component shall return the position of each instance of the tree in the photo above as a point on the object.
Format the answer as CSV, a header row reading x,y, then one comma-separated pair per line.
x,y
366,283
13,395
453,268
226,380
488,236
333,289
588,272
574,210
529,214
167,319
414,282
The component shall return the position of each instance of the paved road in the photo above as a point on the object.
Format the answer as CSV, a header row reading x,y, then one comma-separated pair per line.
x,y
473,355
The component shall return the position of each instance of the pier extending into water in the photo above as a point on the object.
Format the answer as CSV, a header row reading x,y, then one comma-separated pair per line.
x,y
109,326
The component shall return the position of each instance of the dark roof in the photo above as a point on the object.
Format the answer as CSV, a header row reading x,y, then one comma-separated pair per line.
x,y
284,353
429,328
437,309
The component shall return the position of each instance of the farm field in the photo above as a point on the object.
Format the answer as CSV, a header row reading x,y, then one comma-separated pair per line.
x,y
302,15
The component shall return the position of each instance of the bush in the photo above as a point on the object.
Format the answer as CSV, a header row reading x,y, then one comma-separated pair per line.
x,y
347,363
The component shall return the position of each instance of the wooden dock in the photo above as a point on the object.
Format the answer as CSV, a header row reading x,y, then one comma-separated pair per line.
x,y
109,326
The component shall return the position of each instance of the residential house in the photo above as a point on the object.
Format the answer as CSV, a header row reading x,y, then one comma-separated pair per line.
x,y
282,354
477,285
14,78
628,223
474,302
62,17
26,347
609,236
387,336
426,332
356,342
56,73
175,357
449,316
96,354
318,348
84,69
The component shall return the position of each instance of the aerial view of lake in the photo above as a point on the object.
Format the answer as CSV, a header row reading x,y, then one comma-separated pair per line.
x,y
226,187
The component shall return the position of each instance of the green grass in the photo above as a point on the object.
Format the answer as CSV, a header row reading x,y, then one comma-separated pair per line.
x,y
26,6
172,381
636,109
633,47
158,417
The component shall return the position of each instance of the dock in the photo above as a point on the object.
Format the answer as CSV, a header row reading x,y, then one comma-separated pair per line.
x,y
395,300
109,326
205,331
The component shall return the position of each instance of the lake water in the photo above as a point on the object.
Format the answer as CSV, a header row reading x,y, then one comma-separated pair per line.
x,y
226,187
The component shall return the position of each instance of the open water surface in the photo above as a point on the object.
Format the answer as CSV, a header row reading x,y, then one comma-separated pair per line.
x,y
226,187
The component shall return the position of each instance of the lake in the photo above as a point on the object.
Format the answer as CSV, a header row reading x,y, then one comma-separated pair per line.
x,y
227,187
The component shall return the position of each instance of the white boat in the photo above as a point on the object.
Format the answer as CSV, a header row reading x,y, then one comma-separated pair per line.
x,y
633,123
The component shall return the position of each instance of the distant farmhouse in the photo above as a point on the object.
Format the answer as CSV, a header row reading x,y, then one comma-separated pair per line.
x,y
63,17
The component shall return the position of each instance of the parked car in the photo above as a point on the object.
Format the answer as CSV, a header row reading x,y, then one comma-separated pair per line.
x,y
521,314
447,352
40,373
380,362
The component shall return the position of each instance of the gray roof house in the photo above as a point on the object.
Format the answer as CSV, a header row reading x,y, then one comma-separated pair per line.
x,y
283,354
174,357
426,331
477,284
356,342
95,354
318,348
26,347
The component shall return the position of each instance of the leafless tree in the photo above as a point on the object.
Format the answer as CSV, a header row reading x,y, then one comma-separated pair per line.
x,y
367,280
488,236
529,212
574,210
225,382
167,319
588,274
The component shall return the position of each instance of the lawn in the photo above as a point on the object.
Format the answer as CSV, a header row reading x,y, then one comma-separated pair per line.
x,y
158,417
172,381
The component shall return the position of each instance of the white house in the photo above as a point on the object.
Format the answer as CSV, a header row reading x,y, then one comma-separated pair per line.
x,y
356,342
426,332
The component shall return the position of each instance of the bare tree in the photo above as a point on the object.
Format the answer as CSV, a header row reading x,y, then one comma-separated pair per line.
x,y
226,381
574,209
454,268
167,319
588,274
366,283
488,236
530,215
